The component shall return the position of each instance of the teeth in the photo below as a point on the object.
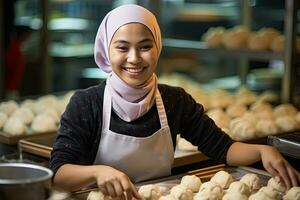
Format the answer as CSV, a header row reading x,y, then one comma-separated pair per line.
x,y
134,70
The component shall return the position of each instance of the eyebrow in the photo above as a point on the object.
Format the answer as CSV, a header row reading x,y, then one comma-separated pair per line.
x,y
125,42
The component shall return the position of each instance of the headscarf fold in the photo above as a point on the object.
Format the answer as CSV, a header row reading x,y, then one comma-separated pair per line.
x,y
128,103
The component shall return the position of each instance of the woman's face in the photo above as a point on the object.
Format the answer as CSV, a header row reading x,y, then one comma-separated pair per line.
x,y
133,54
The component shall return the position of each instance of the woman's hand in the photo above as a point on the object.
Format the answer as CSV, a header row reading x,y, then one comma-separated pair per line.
x,y
278,167
115,183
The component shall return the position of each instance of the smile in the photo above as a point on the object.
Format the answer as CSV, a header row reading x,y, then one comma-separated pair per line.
x,y
134,70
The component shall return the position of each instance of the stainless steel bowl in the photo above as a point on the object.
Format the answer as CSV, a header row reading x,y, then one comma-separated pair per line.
x,y
24,181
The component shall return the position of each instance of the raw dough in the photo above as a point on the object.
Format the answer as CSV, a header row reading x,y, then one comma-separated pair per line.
x,y
43,123
287,123
167,197
14,126
279,186
192,182
239,187
266,127
292,194
285,109
8,107
265,193
206,196
224,179
150,192
211,188
252,180
25,114
3,119
181,192
97,195
234,196
236,110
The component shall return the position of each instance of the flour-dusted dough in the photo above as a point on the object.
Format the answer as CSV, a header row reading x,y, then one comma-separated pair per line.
x,y
97,195
236,110
268,96
235,196
265,193
287,123
192,182
28,103
14,126
245,96
239,187
181,192
43,123
185,145
25,114
167,197
292,194
51,112
266,127
150,192
206,196
211,188
279,186
241,129
221,119
261,106
285,109
3,119
252,180
8,107
223,178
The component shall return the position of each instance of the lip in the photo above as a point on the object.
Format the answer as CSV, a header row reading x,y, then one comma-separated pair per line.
x,y
134,71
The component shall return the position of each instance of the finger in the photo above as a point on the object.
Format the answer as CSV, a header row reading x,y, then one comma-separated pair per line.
x,y
292,174
272,171
102,188
135,192
110,189
129,195
281,168
118,188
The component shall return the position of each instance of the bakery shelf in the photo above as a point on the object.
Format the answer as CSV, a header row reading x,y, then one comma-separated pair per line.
x,y
171,44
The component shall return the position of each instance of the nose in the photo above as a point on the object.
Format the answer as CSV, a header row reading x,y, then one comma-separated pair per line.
x,y
134,56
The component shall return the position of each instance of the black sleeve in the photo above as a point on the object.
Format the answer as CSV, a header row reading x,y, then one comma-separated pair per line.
x,y
76,141
201,131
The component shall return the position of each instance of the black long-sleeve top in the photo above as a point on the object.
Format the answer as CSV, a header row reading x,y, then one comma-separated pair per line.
x,y
80,127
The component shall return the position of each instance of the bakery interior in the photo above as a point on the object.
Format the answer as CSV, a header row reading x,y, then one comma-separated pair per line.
x,y
238,58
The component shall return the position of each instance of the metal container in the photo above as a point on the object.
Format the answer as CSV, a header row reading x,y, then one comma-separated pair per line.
x,y
24,181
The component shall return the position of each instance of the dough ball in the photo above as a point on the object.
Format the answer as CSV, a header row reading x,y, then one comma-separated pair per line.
x,y
277,44
252,180
285,109
150,192
261,107
51,112
298,117
265,193
185,145
279,186
236,110
167,197
192,182
239,187
3,119
266,127
234,196
245,96
8,107
221,119
213,37
211,188
181,192
236,38
14,126
97,195
220,98
292,194
28,103
43,123
250,117
265,115
257,42
224,179
25,114
206,196
268,97
241,129
287,123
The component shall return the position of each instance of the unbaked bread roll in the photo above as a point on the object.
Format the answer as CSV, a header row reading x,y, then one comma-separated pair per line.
x,y
265,193
245,96
285,109
236,110
265,127
206,196
43,123
250,117
252,180
97,195
223,178
234,196
265,115
213,37
292,194
261,106
28,103
236,38
220,98
3,119
167,197
150,192
268,96
8,107
192,182
241,129
239,187
221,119
51,112
277,44
185,145
287,123
25,114
14,126
257,42
211,188
181,192
279,186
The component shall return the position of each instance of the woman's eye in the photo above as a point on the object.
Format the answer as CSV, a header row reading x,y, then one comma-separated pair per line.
x,y
122,49
146,47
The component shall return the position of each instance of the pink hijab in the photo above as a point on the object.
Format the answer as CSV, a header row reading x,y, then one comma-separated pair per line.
x,y
128,103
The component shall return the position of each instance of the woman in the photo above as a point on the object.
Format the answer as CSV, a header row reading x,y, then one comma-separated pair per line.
x,y
124,129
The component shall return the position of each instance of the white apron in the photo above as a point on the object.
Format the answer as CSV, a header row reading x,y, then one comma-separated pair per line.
x,y
140,158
